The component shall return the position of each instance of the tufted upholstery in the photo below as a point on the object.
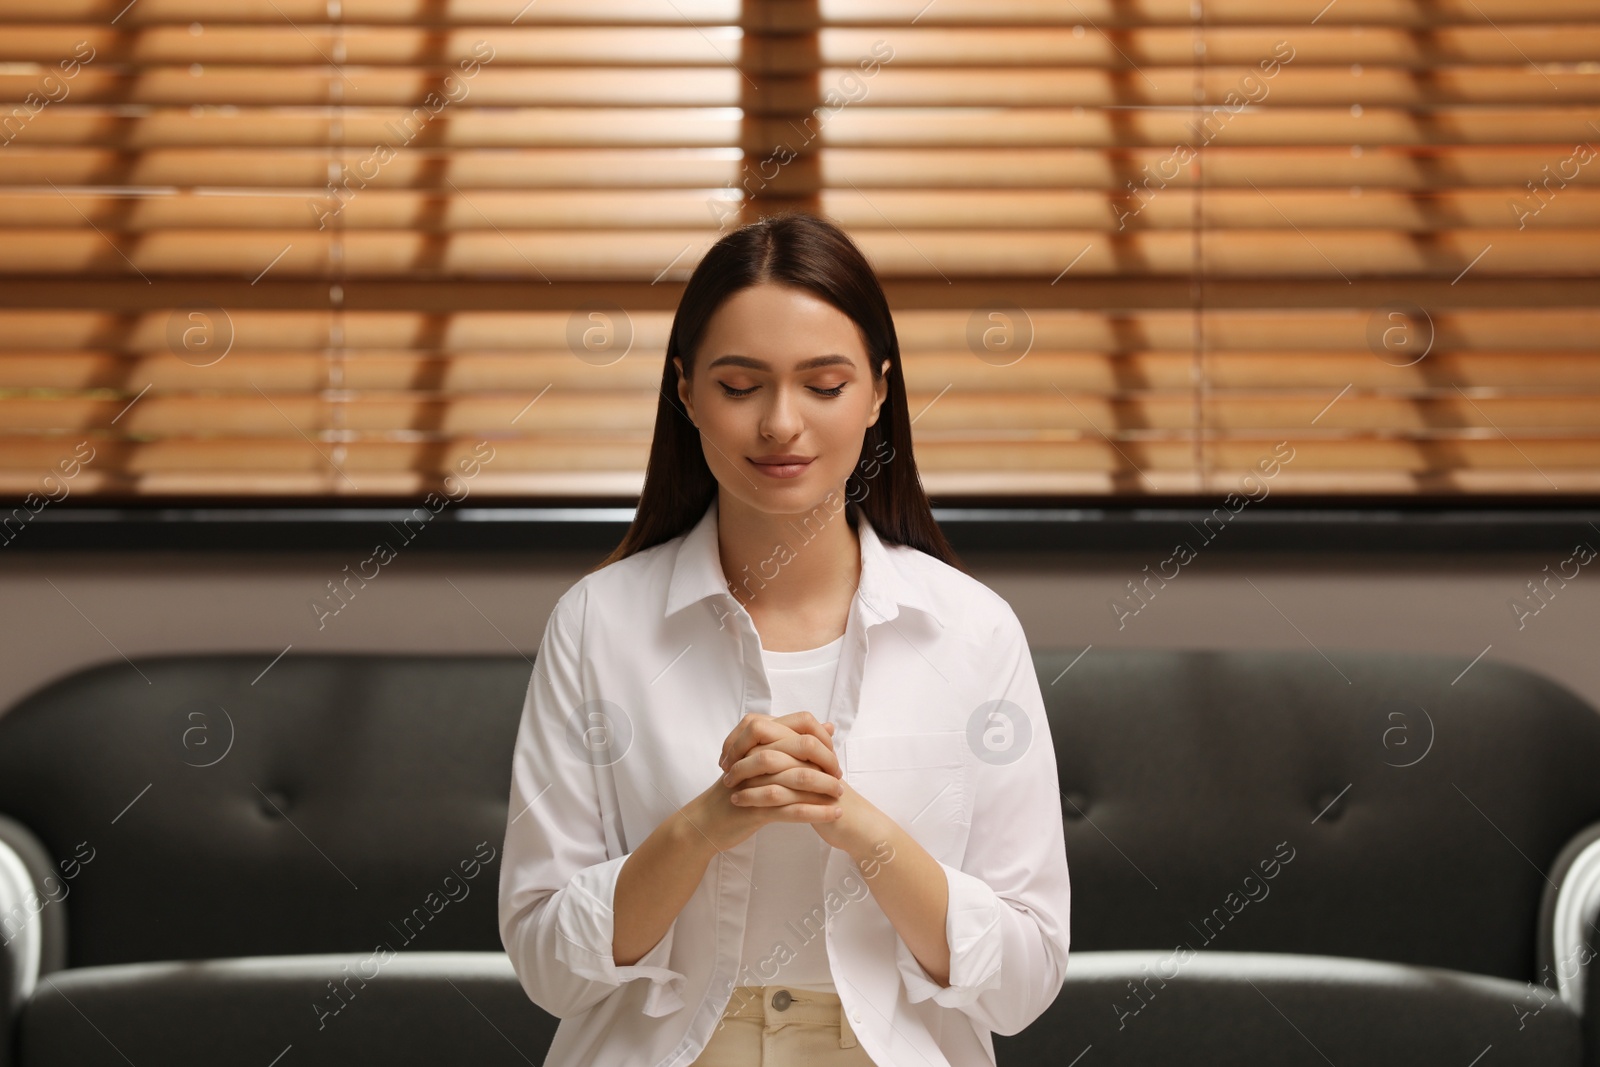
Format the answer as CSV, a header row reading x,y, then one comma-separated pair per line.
x,y
1191,767
354,786
1390,826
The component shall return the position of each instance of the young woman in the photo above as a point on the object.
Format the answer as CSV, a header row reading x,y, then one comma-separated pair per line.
x,y
784,791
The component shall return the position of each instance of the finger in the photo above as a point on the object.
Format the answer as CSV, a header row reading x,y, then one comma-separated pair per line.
x,y
805,725
803,722
752,730
774,795
732,745
801,776
819,781
806,747
802,812
790,751
756,736
767,759
800,807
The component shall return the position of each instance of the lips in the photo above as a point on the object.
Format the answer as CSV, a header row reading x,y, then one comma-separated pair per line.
x,y
782,466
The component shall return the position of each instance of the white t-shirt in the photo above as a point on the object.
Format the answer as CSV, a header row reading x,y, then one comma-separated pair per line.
x,y
783,934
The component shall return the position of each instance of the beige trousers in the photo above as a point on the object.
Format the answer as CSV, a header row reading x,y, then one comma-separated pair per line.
x,y
775,1026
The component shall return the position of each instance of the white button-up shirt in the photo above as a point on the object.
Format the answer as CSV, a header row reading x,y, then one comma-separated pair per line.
x,y
644,667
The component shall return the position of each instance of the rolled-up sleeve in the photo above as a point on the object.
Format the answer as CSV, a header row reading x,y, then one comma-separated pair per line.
x,y
557,883
973,930
1008,918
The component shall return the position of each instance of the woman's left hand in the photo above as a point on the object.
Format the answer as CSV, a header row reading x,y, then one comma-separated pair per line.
x,y
856,831
860,825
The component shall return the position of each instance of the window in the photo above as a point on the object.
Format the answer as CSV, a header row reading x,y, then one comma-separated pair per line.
x,y
341,249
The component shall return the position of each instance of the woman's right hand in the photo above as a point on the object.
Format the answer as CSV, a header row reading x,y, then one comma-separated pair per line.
x,y
789,774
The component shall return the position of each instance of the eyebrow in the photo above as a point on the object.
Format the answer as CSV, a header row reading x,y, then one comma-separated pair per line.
x,y
803,365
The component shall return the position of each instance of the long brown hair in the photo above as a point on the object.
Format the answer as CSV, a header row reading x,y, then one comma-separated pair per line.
x,y
803,250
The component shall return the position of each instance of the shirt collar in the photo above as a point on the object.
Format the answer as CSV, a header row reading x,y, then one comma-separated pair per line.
x,y
697,571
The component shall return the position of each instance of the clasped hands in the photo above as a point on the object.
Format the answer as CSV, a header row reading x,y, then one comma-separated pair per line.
x,y
783,769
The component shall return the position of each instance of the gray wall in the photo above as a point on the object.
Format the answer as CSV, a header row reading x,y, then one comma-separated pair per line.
x,y
63,611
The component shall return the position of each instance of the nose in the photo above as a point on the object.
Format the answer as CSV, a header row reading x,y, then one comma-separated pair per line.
x,y
780,420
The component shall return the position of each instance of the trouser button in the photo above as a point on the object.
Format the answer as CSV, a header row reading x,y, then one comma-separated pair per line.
x,y
782,999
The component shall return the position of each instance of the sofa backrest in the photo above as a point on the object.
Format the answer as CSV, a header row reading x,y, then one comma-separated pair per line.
x,y
1403,810
1247,801
213,810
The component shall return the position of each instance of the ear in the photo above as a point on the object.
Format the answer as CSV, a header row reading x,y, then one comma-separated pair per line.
x,y
683,388
881,391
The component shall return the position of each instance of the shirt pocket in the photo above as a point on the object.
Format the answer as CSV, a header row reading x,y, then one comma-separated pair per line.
x,y
922,782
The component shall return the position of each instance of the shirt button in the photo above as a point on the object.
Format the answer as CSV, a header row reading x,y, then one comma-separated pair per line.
x,y
782,999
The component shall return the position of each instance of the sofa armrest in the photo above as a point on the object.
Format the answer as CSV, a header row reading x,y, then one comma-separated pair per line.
x,y
31,933
1569,922
31,929
8,1014
1591,1017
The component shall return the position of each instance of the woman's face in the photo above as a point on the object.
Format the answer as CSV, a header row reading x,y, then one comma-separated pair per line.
x,y
781,372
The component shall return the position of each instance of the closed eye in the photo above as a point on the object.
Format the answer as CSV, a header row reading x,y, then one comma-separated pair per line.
x,y
737,393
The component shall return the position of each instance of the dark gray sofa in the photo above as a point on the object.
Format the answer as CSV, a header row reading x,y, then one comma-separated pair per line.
x,y
1275,860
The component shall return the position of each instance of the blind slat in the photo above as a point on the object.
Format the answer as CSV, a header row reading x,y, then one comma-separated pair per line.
x,y
949,49
445,374
878,128
800,15
1570,329
962,171
1022,88
598,254
975,416
505,211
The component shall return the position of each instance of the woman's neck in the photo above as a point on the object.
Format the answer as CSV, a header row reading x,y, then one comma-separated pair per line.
x,y
789,563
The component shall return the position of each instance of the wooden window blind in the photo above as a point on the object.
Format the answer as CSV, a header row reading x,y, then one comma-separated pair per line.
x,y
347,248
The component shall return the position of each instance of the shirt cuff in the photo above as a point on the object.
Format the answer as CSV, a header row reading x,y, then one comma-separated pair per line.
x,y
584,923
973,930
